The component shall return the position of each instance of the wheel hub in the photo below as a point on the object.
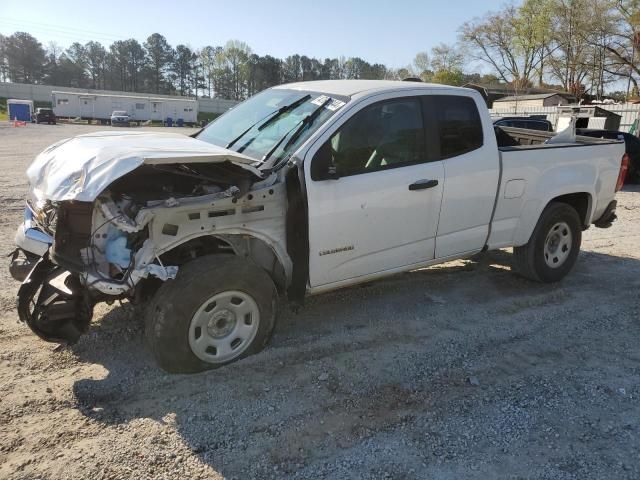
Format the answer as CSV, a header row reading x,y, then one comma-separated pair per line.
x,y
557,245
224,326
221,323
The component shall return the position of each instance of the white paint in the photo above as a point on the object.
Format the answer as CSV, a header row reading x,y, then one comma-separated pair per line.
x,y
514,188
82,167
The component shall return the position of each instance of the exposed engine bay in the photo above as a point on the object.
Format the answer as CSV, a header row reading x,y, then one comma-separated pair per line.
x,y
137,233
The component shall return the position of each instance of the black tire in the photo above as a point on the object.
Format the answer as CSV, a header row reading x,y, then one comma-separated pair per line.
x,y
168,317
529,260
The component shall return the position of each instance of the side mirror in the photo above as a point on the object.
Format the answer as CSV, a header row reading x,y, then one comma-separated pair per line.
x,y
322,164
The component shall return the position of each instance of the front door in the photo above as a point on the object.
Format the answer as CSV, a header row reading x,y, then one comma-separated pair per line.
x,y
87,107
156,111
381,213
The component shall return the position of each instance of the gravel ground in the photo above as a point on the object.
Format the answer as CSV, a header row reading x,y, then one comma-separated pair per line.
x,y
456,371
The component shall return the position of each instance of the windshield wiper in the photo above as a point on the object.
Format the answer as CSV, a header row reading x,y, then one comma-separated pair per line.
x,y
297,131
270,117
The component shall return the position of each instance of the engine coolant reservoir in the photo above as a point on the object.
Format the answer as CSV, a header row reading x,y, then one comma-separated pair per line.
x,y
117,252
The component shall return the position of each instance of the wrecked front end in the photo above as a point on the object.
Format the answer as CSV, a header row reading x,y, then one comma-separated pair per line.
x,y
104,229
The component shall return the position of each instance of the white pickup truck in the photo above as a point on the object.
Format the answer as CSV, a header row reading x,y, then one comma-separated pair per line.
x,y
301,189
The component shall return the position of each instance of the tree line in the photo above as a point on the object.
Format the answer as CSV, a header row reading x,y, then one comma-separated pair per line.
x,y
231,71
580,46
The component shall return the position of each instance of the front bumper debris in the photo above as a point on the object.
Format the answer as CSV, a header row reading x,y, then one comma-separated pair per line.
x,y
21,264
30,238
53,304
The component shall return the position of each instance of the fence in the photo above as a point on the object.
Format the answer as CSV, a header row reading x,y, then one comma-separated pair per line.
x,y
629,113
42,93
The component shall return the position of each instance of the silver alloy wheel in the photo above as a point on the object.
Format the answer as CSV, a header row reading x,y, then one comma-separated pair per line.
x,y
224,326
557,245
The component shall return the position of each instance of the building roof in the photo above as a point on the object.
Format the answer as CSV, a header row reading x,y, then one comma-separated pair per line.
x,y
349,88
536,96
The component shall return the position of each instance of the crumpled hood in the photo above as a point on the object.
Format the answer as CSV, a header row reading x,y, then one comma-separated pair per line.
x,y
80,168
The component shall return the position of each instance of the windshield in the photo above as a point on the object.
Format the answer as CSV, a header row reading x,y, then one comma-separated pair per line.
x,y
119,112
255,126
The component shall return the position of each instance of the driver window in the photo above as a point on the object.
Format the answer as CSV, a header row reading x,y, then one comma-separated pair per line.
x,y
381,136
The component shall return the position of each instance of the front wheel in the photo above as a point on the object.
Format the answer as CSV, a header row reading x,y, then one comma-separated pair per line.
x,y
220,308
553,247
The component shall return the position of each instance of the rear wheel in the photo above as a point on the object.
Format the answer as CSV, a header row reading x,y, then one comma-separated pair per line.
x,y
220,308
553,247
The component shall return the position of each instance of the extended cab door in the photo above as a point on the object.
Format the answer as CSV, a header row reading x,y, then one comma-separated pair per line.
x,y
468,150
374,190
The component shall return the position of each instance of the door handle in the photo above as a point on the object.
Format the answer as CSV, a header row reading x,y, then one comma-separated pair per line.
x,y
423,184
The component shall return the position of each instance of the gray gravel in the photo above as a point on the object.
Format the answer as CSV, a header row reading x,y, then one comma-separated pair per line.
x,y
456,371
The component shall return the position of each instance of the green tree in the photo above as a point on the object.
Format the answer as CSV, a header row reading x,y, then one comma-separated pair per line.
x,y
292,69
236,55
4,65
183,65
75,68
449,77
96,60
24,58
159,56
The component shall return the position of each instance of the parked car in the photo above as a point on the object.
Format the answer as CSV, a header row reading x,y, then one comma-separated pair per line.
x,y
632,147
120,117
302,189
44,115
530,123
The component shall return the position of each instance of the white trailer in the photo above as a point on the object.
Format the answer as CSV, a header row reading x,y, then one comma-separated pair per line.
x,y
94,106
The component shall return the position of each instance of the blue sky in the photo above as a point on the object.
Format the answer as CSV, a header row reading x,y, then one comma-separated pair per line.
x,y
378,31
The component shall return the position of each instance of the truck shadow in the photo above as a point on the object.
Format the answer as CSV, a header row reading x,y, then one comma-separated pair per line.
x,y
341,372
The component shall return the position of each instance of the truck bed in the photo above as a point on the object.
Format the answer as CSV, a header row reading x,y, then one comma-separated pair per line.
x,y
533,172
510,138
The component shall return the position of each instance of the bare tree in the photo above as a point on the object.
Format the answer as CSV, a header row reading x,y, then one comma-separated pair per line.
x,y
620,40
446,57
508,41
569,63
422,62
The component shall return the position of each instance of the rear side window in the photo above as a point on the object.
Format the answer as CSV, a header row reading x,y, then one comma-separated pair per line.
x,y
459,124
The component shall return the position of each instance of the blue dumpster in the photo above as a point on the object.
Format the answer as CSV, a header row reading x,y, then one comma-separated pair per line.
x,y
180,122
19,111
169,122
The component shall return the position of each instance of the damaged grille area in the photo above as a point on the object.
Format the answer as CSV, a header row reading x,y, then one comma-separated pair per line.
x,y
73,233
